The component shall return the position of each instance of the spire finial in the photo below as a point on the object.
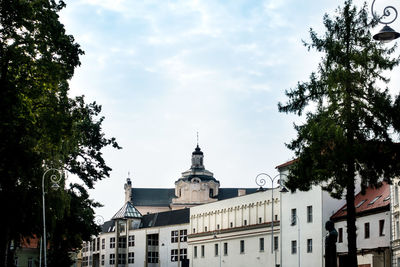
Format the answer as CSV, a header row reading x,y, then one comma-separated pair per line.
x,y
197,138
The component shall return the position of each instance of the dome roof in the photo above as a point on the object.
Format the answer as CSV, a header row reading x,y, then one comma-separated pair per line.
x,y
197,151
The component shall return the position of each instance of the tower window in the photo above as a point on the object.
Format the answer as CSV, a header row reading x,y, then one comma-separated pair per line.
x,y
211,192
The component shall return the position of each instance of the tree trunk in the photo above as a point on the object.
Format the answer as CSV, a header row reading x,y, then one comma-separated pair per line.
x,y
351,219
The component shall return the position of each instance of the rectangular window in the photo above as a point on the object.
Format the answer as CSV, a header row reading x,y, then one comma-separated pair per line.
x,y
293,216
30,262
396,195
194,230
231,224
131,257
152,257
245,222
183,252
381,227
259,220
309,214
202,251
340,235
98,243
195,251
397,228
121,242
216,249
225,249
183,235
241,246
131,241
174,255
152,240
294,246
174,236
276,242
217,226
112,242
205,228
309,245
121,258
103,243
261,244
112,259
102,259
398,262
366,230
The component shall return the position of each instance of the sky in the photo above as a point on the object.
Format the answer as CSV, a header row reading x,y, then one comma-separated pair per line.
x,y
164,71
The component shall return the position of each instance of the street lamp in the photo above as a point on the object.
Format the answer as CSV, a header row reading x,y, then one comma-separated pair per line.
x,y
55,179
386,34
261,182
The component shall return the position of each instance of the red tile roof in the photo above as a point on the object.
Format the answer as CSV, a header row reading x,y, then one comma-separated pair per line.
x,y
30,242
366,204
286,164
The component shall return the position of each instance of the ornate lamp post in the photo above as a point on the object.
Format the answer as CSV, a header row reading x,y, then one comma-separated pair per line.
x,y
386,34
261,182
55,179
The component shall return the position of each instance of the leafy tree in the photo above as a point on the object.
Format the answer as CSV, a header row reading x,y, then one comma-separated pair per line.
x,y
352,130
41,127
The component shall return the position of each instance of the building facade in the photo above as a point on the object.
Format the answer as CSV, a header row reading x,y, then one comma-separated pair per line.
x,y
395,220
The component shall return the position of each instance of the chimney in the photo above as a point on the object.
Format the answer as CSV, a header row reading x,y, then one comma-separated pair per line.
x,y
241,192
128,190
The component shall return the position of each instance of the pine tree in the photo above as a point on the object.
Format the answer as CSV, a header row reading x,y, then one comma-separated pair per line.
x,y
352,131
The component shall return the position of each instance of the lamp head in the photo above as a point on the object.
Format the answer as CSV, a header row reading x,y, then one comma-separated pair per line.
x,y
387,34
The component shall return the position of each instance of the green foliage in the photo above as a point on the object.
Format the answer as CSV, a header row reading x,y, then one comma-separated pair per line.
x,y
41,127
353,127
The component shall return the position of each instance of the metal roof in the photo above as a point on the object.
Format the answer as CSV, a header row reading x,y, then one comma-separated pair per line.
x,y
128,211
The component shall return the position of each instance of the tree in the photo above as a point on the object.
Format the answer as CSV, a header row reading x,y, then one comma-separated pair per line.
x,y
351,132
40,126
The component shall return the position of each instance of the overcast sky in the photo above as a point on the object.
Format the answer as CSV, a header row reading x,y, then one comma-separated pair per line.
x,y
165,70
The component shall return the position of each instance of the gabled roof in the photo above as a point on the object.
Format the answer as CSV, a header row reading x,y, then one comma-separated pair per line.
x,y
128,211
286,164
374,200
159,197
166,218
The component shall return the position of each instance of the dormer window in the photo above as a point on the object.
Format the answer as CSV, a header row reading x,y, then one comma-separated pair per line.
x,y
374,200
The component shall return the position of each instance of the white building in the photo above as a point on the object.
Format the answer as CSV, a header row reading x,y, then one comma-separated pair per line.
x,y
303,219
395,212
373,228
235,232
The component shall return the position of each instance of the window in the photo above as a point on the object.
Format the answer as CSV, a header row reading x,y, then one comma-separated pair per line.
x,y
131,257
276,242
112,242
121,242
398,262
131,241
309,245
152,257
205,228
261,244
112,258
174,255
374,200
259,220
102,259
183,235
217,226
366,230
30,262
241,246
340,235
194,230
16,261
211,192
225,249
202,251
294,246
152,240
183,252
361,202
276,217
245,222
309,214
216,249
195,251
98,243
293,216
397,228
231,224
396,195
174,236
381,227
103,243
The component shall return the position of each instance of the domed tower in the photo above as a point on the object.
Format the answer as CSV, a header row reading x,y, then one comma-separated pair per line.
x,y
197,185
